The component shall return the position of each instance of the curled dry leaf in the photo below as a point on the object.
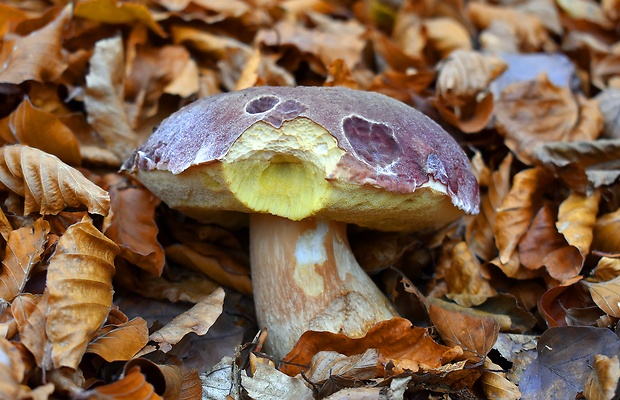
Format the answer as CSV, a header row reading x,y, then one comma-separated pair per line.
x,y
173,381
198,319
518,209
24,249
495,384
131,224
479,230
536,112
463,96
606,295
474,334
602,382
542,245
606,238
111,12
37,56
34,127
606,269
576,219
327,365
79,282
104,97
47,184
133,385
466,274
30,313
120,342
408,347
269,383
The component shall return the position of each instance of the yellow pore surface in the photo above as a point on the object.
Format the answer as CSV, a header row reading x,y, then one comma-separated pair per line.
x,y
283,172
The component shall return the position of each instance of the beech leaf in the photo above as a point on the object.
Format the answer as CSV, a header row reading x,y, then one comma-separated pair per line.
x,y
79,282
606,295
46,183
603,381
120,342
133,385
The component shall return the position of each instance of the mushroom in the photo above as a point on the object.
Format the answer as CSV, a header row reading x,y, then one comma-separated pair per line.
x,y
303,162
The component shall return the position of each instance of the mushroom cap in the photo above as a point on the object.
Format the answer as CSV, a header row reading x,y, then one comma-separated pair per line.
x,y
298,152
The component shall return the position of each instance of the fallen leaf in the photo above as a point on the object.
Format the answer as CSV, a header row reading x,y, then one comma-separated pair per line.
x,y
30,313
565,356
605,238
104,97
79,282
47,184
495,384
446,35
198,320
555,302
475,335
120,342
609,105
131,225
606,295
24,249
37,56
602,383
518,208
466,274
576,219
12,370
131,386
112,12
329,365
606,269
268,382
396,341
37,128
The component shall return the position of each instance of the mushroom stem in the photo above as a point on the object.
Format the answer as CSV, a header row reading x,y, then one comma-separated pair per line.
x,y
305,277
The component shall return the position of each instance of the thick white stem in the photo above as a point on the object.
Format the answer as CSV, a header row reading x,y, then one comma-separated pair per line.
x,y
306,278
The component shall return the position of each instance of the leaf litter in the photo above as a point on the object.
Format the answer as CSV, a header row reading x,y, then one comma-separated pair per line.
x,y
107,293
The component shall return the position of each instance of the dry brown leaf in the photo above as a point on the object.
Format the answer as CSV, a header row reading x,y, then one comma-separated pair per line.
x,y
131,224
331,364
212,261
585,10
24,249
606,238
606,295
536,112
479,230
30,313
611,8
132,386
609,105
11,16
517,210
112,12
602,382
173,381
104,98
542,245
606,269
576,219
34,127
528,28
495,384
445,35
198,320
120,342
37,56
474,334
47,184
79,282
338,74
396,341
11,370
466,274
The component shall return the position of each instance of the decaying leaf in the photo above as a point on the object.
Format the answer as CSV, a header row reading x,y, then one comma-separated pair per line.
x,y
268,382
46,183
79,282
131,224
603,381
565,356
465,275
198,319
25,246
104,97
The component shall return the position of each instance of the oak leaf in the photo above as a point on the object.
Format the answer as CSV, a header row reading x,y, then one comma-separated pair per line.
x,y
46,183
79,283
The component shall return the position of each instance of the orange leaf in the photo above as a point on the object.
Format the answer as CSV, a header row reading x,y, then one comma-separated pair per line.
x,y
131,225
120,342
113,12
395,339
24,249
79,282
475,335
37,56
606,295
30,313
133,386
47,184
34,127
606,238
465,274
576,219
518,209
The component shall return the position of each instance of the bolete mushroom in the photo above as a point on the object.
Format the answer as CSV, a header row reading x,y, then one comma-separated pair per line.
x,y
303,162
